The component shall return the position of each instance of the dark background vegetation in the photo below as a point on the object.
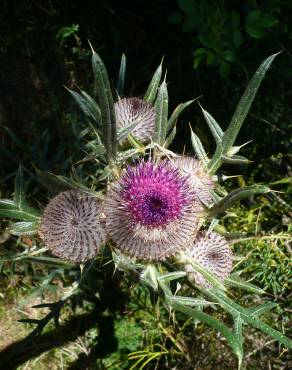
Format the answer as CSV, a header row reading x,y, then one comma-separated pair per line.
x,y
44,46
210,49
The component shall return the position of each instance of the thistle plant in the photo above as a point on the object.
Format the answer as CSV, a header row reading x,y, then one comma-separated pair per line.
x,y
155,212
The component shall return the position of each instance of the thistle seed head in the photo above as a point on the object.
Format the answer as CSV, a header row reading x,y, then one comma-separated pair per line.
x,y
200,180
72,226
212,252
150,211
134,110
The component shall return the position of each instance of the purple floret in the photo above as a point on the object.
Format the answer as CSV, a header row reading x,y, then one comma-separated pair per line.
x,y
154,195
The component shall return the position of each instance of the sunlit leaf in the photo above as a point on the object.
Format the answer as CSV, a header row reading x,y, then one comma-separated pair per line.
x,y
24,228
235,196
161,116
105,98
151,92
198,148
234,281
213,126
261,308
176,113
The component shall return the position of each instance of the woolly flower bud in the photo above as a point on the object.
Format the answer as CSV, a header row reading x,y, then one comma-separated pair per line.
x,y
212,252
200,180
150,211
134,110
71,226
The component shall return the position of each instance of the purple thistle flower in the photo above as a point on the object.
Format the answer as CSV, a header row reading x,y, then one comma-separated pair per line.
x,y
134,110
150,211
72,227
200,180
212,252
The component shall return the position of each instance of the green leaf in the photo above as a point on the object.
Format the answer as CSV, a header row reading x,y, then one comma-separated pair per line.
x,y
122,74
238,332
229,56
235,159
170,138
92,106
71,184
257,23
210,58
18,208
96,134
224,69
50,261
198,148
96,150
189,301
151,92
213,126
231,338
135,143
198,60
253,24
24,228
7,204
240,114
234,309
19,197
10,210
285,180
161,116
237,38
207,275
235,196
261,308
245,103
185,259
125,131
62,183
88,106
200,51
176,113
171,276
269,21
234,281
105,98
124,155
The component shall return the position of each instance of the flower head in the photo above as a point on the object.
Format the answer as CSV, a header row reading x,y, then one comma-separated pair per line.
x,y
72,227
134,110
200,180
212,252
150,211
